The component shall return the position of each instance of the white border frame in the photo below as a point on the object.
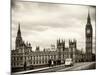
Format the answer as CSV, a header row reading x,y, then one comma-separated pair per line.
x,y
5,36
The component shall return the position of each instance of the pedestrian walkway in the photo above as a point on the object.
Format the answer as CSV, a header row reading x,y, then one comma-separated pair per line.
x,y
34,70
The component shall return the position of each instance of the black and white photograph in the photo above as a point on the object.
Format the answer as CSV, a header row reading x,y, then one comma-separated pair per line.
x,y
52,37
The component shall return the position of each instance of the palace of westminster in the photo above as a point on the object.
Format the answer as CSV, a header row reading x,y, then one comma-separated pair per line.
x,y
23,53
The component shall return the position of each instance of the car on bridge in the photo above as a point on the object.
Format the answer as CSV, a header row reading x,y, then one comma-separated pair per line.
x,y
69,62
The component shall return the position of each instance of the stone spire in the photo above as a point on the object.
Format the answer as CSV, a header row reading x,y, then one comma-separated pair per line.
x,y
88,18
19,31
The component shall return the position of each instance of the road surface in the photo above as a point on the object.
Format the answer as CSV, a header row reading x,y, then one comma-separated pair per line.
x,y
77,66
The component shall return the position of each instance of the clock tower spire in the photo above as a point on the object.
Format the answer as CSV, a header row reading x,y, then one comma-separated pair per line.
x,y
88,18
88,36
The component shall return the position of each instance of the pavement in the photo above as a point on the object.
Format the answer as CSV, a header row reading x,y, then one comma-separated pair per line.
x,y
36,70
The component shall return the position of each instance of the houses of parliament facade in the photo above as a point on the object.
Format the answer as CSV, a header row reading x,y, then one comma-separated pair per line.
x,y
23,53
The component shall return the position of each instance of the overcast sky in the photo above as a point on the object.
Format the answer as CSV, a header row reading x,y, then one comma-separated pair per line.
x,y
43,23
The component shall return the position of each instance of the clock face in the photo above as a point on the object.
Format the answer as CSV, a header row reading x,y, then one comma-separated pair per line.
x,y
88,31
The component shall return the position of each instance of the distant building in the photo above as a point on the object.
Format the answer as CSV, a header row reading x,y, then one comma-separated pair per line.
x,y
37,48
53,47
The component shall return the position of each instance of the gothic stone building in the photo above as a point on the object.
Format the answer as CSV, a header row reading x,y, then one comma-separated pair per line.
x,y
23,55
88,34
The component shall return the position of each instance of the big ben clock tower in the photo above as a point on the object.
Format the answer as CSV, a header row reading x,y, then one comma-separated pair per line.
x,y
88,35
